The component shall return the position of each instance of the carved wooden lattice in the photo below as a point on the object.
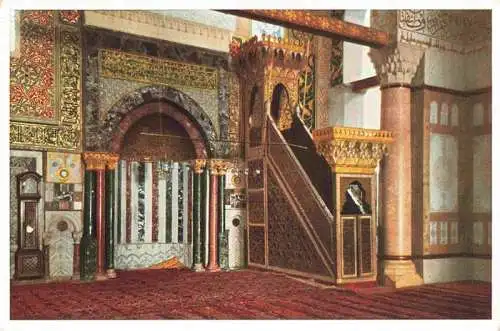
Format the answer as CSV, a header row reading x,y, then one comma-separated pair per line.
x,y
289,245
256,244
309,201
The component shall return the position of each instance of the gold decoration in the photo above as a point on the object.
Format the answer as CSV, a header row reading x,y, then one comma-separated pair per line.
x,y
198,165
146,69
99,161
234,112
218,167
66,135
266,63
352,150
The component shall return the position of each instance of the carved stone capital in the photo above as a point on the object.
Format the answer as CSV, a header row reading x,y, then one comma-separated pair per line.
x,y
77,236
218,167
198,165
99,160
396,64
46,237
352,150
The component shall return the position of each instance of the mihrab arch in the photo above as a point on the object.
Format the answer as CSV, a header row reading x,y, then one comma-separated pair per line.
x,y
154,99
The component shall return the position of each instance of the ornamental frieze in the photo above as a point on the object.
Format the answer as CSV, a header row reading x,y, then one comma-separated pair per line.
x,y
352,150
146,69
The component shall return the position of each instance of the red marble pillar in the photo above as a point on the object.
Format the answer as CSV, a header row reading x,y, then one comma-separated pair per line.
x,y
212,236
396,180
396,67
101,241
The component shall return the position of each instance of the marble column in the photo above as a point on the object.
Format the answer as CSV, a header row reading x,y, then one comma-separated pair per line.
x,y
212,224
110,217
100,231
88,242
223,233
77,237
95,164
198,166
396,67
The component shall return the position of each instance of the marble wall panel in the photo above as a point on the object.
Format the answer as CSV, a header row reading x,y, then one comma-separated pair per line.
x,y
482,180
135,256
443,176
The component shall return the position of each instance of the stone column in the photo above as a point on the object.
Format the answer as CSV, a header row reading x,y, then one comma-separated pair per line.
x,y
212,222
96,163
396,67
223,233
198,166
100,231
88,244
110,216
77,236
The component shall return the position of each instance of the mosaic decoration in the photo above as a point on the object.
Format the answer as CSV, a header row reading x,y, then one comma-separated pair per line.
x,y
63,168
63,196
99,135
32,75
289,245
69,16
146,69
307,91
64,112
234,114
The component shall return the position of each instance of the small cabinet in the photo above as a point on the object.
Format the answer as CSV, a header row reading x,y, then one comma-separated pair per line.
x,y
356,251
29,257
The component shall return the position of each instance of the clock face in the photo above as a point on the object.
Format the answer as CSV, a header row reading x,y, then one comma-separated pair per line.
x,y
29,229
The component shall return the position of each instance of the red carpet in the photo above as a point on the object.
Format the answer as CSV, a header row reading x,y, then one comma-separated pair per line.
x,y
182,294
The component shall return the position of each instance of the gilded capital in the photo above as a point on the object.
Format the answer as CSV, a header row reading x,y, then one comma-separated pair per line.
x,y
198,165
396,64
352,150
218,167
99,160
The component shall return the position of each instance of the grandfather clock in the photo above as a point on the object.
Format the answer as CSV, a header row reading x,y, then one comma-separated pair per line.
x,y
29,257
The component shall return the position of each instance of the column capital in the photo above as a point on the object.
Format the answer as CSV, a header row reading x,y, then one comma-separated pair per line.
x,y
218,167
46,237
99,160
396,64
198,165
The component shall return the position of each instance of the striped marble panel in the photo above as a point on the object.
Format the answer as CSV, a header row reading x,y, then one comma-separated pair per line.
x,y
175,203
148,202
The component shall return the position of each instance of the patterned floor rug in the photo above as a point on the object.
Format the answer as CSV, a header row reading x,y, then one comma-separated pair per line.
x,y
248,294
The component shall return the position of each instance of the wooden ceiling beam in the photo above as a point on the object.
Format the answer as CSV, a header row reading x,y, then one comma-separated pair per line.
x,y
319,25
